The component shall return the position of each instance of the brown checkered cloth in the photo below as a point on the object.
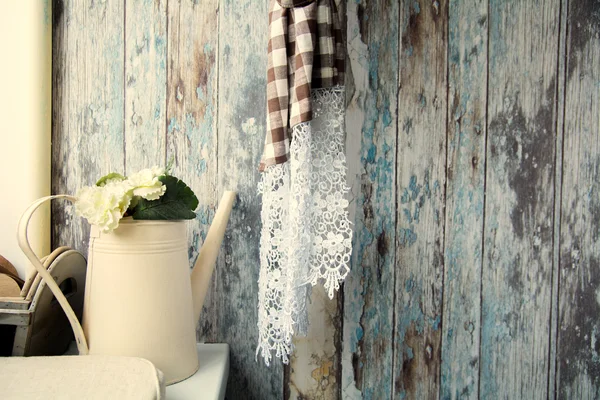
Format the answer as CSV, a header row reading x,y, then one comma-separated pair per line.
x,y
305,52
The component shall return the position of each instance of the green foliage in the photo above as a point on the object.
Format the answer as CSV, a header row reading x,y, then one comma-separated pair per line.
x,y
178,202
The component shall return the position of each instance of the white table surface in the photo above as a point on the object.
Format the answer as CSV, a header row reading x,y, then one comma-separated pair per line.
x,y
210,381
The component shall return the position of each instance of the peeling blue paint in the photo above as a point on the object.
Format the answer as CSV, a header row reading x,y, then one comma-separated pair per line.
x,y
359,333
417,212
422,100
387,116
371,153
173,125
417,7
407,215
159,42
370,336
200,93
414,187
406,237
436,323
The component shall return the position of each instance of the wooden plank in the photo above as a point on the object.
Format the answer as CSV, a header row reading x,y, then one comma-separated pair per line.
x,y
314,365
518,241
579,300
14,303
369,288
22,334
558,174
145,80
465,188
242,114
421,181
192,123
87,106
15,317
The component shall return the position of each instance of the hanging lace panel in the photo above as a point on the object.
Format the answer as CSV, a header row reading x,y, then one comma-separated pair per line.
x,y
306,235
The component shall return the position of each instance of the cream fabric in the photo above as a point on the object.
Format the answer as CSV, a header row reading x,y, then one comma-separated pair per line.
x,y
80,377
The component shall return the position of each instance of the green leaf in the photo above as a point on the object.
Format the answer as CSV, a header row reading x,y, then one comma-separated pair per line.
x,y
113,175
178,202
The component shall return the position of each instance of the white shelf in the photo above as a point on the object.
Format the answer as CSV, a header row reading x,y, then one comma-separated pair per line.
x,y
210,381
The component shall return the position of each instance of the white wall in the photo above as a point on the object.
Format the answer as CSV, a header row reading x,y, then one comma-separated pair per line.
x,y
25,122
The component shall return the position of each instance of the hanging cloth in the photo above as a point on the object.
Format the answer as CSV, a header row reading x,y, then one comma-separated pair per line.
x,y
305,236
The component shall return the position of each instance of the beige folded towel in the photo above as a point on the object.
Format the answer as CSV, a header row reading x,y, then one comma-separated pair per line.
x,y
80,377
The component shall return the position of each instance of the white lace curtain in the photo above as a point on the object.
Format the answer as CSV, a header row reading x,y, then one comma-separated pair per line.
x,y
306,236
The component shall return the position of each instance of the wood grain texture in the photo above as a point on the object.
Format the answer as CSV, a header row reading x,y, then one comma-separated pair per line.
x,y
191,131
579,300
369,288
518,234
558,180
87,106
477,242
420,175
145,83
242,115
465,188
15,317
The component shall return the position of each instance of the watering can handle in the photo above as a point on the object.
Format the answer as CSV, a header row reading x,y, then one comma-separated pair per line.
x,y
26,247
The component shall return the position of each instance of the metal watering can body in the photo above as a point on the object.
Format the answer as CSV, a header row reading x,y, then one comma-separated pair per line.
x,y
141,299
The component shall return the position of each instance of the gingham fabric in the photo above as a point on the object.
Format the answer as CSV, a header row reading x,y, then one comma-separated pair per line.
x,y
305,52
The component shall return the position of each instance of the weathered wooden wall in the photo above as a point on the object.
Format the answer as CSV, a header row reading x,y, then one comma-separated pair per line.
x,y
473,138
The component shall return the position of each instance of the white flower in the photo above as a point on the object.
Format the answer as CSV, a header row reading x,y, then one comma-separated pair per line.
x,y
146,184
104,206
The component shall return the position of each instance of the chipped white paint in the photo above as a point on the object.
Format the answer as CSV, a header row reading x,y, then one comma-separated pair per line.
x,y
88,105
516,285
190,127
356,86
145,85
578,362
242,96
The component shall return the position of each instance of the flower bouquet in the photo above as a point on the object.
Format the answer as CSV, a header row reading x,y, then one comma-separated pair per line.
x,y
150,194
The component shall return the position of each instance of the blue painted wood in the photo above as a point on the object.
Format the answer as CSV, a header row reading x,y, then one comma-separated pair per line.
x,y
369,288
420,177
190,125
519,205
87,106
241,125
403,336
467,94
578,362
145,84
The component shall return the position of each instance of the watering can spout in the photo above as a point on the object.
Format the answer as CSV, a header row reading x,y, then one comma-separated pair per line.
x,y
207,257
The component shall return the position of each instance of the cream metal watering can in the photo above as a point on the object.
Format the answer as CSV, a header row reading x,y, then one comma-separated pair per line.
x,y
140,298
